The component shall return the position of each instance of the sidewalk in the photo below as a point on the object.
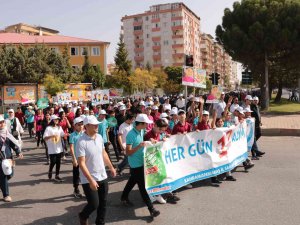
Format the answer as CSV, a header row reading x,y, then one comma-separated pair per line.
x,y
280,125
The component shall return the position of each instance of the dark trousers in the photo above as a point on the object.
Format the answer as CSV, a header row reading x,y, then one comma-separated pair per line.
x,y
76,179
137,177
96,200
3,182
39,138
113,141
30,128
46,150
121,166
257,132
55,159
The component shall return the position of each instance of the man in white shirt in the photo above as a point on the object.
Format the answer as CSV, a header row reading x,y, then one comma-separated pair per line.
x,y
167,104
122,133
180,103
92,159
220,106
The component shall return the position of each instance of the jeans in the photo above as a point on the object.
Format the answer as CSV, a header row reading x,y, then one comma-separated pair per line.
x,y
137,177
3,182
76,179
55,159
30,127
96,200
39,138
113,141
123,164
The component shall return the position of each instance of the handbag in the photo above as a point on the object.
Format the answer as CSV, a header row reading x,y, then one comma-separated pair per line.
x,y
7,166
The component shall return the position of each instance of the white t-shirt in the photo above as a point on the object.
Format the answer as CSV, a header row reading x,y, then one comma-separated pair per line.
x,y
219,107
92,150
54,144
167,106
123,131
233,107
180,103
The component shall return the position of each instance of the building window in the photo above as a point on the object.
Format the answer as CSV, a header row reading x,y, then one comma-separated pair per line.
x,y
147,18
155,16
84,51
74,51
137,28
55,49
147,35
95,51
166,42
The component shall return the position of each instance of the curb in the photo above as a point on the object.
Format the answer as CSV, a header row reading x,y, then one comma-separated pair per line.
x,y
280,132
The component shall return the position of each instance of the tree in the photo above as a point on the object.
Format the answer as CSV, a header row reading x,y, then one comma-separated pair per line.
x,y
121,58
174,73
261,33
53,85
142,80
161,77
148,66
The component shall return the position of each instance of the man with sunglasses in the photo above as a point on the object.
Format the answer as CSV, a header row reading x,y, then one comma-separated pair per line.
x,y
78,131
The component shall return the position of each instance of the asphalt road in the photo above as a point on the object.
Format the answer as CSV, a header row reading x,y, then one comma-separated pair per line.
x,y
269,194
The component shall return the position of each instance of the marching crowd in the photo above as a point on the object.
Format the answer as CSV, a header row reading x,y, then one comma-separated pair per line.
x,y
87,133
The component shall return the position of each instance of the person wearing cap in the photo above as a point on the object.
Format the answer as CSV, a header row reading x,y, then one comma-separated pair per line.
x,y
134,149
112,132
174,119
154,113
235,104
103,129
180,102
203,124
78,131
13,125
38,119
121,116
122,134
220,106
150,117
248,101
182,127
86,111
65,125
52,137
20,115
92,159
29,115
7,144
256,114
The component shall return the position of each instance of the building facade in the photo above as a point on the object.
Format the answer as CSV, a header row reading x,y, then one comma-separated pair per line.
x,y
22,28
162,36
76,47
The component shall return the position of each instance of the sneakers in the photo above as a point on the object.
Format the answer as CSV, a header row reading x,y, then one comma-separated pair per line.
x,y
215,180
77,194
7,199
154,212
82,221
189,186
160,199
58,179
50,175
248,166
230,178
172,199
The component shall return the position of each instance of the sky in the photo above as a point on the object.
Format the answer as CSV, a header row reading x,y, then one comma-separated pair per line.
x,y
99,19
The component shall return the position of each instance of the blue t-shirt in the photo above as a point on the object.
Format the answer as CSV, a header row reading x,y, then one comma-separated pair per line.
x,y
102,127
196,121
29,116
171,124
73,139
134,138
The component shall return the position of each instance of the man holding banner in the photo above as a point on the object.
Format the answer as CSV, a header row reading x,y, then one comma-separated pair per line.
x,y
135,150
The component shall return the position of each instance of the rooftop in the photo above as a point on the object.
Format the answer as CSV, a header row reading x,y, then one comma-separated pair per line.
x,y
15,38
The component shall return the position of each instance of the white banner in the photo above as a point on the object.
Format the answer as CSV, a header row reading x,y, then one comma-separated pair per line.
x,y
250,132
100,97
184,159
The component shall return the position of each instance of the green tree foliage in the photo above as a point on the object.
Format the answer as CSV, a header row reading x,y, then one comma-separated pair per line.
x,y
121,58
261,34
53,84
174,73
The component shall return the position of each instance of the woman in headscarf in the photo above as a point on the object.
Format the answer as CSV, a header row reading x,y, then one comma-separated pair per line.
x,y
7,144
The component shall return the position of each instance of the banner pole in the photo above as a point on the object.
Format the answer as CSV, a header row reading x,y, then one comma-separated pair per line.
x,y
185,97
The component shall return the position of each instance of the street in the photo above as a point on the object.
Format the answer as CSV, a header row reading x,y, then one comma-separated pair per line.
x,y
268,194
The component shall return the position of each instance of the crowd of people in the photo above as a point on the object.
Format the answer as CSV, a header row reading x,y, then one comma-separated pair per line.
x,y
114,136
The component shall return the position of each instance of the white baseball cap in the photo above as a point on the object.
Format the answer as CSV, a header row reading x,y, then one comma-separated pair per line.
x,y
155,107
163,115
1,118
102,112
255,98
122,107
70,106
247,110
30,107
86,109
11,110
54,117
222,93
180,95
241,110
180,111
173,112
248,97
78,120
142,103
143,118
60,110
205,112
55,103
90,120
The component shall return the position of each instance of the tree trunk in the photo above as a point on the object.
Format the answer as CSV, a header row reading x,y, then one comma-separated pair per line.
x,y
265,91
279,93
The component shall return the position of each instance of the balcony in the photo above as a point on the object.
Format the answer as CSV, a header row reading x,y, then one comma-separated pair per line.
x,y
177,36
138,49
138,41
139,58
156,29
137,23
178,55
138,32
155,39
176,18
180,27
155,20
177,46
156,47
157,57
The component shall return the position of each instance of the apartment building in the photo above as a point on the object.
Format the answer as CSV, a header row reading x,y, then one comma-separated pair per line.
x,y
207,53
162,36
22,28
76,47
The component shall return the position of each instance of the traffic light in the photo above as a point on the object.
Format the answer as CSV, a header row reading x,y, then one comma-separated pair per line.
x,y
211,77
246,77
214,77
189,60
217,77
